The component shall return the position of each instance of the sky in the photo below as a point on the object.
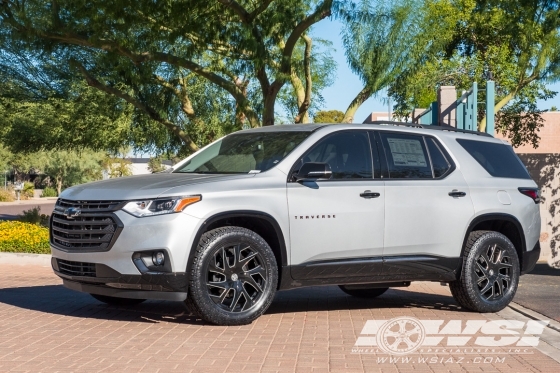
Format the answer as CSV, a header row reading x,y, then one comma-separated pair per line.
x,y
347,85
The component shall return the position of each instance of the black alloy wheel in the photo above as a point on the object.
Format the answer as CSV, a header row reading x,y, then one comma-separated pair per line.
x,y
233,277
490,273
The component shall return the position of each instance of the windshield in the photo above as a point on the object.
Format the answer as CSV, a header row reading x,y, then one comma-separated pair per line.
x,y
242,153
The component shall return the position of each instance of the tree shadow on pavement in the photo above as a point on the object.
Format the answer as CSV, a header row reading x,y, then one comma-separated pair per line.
x,y
543,269
56,299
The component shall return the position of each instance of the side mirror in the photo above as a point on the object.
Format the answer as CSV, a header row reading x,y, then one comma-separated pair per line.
x,y
312,171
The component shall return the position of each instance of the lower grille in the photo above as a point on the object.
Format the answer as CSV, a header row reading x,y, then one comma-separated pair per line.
x,y
76,268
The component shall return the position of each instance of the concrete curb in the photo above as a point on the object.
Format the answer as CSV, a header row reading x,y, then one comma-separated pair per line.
x,y
43,260
552,324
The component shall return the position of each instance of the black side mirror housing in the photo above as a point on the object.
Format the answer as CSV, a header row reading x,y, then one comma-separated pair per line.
x,y
312,171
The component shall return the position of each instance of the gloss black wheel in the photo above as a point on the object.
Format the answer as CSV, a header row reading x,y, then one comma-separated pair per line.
x,y
490,273
233,277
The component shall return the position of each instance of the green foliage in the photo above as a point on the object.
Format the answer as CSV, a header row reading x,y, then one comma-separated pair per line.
x,y
553,108
48,192
67,168
516,44
117,167
330,116
7,195
162,57
393,37
34,216
155,165
28,190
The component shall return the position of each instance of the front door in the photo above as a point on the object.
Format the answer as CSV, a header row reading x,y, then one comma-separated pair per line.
x,y
337,225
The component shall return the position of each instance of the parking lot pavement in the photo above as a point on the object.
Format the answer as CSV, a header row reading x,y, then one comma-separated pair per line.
x,y
539,291
46,328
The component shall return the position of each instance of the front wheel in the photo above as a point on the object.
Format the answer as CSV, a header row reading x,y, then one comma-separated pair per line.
x,y
233,277
490,273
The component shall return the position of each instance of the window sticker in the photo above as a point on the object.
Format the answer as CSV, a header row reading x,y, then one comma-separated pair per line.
x,y
407,153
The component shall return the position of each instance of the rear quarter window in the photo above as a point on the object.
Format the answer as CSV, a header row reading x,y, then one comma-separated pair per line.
x,y
499,160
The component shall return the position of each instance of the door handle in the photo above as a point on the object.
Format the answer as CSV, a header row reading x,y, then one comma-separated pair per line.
x,y
456,193
369,194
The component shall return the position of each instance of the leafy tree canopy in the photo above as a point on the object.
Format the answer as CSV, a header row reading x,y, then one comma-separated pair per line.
x,y
154,54
328,116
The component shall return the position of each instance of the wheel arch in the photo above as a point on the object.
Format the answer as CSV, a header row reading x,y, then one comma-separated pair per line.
x,y
257,221
506,224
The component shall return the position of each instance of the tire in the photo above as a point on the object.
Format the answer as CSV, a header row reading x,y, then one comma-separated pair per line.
x,y
225,290
114,301
490,273
363,292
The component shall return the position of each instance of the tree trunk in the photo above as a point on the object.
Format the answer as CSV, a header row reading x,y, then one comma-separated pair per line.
x,y
360,98
499,106
269,101
59,184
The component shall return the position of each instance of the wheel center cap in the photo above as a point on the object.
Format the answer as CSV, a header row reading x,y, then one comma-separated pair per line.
x,y
491,272
234,277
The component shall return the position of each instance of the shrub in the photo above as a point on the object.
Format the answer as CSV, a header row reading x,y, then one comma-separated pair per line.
x,y
49,192
34,216
19,237
7,196
28,190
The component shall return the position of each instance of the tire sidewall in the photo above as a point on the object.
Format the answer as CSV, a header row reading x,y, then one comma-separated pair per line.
x,y
198,290
481,244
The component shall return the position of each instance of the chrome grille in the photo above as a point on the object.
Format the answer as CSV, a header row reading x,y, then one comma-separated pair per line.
x,y
94,229
76,268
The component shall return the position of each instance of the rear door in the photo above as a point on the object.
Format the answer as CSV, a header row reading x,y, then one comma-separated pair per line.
x,y
337,225
427,206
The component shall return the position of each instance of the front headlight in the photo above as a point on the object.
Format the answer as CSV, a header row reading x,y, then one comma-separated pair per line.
x,y
159,206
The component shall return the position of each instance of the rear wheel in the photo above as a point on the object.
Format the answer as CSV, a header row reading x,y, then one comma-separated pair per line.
x,y
233,277
114,301
490,273
361,292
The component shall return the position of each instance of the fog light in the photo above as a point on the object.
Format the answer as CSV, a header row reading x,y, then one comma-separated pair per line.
x,y
158,258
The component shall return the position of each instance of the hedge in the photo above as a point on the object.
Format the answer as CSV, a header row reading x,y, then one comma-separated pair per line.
x,y
18,237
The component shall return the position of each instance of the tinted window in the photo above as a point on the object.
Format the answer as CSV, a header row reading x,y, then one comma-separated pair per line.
x,y
498,159
244,152
348,154
440,163
407,156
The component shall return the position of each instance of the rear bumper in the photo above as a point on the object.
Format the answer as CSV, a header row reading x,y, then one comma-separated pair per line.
x,y
530,258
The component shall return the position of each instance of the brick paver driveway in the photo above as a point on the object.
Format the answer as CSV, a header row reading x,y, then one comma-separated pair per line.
x,y
46,328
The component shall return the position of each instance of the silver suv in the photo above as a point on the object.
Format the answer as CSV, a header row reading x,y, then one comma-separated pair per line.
x,y
364,207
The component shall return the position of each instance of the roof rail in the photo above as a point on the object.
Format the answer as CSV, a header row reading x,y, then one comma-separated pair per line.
x,y
453,129
428,127
394,123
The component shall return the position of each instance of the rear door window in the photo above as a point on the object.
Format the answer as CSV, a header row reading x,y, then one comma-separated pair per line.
x,y
407,156
498,159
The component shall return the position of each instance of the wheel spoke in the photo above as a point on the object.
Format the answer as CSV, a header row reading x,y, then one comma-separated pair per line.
x,y
248,279
213,267
256,271
235,299
248,300
482,269
485,289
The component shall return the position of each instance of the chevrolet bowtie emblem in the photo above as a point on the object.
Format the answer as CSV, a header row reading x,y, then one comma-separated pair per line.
x,y
72,212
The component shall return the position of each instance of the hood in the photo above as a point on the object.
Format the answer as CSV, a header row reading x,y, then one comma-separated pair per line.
x,y
141,186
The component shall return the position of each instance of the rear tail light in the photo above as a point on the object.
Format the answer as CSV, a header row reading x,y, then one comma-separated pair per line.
x,y
533,193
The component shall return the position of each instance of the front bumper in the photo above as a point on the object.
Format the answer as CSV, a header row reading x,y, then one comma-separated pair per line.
x,y
103,280
117,272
